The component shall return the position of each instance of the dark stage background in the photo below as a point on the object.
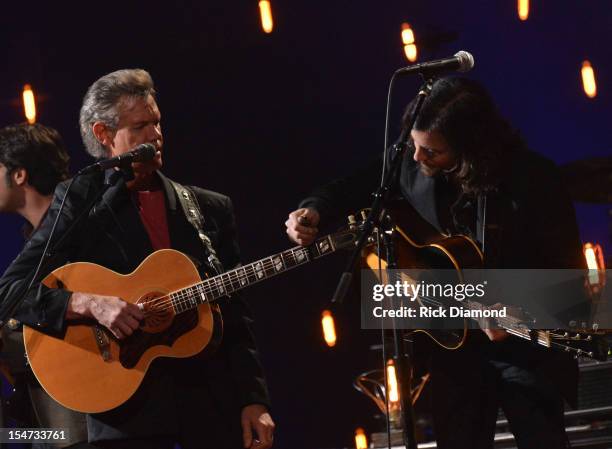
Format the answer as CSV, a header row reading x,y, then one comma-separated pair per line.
x,y
264,118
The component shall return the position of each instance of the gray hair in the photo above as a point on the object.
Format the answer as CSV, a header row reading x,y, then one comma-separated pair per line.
x,y
102,101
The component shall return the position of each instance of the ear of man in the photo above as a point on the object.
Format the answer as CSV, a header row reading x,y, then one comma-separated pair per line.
x,y
19,177
103,134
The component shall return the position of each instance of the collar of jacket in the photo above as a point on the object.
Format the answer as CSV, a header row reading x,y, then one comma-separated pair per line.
x,y
170,194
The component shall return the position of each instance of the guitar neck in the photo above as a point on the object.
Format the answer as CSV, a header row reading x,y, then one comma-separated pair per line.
x,y
579,343
512,325
231,281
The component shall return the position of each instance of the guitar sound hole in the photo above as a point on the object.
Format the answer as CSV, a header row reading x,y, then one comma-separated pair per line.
x,y
158,311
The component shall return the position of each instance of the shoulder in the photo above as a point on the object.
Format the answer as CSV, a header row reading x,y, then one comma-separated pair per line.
x,y
534,182
215,206
212,200
527,162
81,188
528,170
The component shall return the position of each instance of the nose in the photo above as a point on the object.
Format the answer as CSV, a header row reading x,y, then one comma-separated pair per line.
x,y
418,154
154,133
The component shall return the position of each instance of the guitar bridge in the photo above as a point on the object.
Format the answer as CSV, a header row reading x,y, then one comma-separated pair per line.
x,y
103,343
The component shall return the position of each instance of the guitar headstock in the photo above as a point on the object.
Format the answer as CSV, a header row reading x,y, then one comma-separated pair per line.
x,y
348,236
582,344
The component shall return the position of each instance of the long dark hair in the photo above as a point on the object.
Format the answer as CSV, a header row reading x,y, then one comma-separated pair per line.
x,y
464,113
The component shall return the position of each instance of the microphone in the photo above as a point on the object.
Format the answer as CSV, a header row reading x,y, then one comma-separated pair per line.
x,y
461,62
142,153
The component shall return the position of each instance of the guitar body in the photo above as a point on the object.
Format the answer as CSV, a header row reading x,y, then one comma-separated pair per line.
x,y
91,371
420,246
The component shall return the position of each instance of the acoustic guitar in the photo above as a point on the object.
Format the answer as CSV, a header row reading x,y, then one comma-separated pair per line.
x,y
90,371
418,245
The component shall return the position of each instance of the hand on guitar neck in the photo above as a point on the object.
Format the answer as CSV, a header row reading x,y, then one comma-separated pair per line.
x,y
496,334
302,229
302,226
120,317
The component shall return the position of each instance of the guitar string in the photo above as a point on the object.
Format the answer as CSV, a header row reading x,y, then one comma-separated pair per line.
x,y
184,295
240,273
541,335
509,322
189,293
433,301
546,336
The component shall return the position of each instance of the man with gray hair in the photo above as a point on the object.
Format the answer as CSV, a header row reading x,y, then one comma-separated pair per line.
x,y
217,402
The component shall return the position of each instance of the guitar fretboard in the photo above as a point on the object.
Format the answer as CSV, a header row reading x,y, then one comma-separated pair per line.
x,y
238,278
513,325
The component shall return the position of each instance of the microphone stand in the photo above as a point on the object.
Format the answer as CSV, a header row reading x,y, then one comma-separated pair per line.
x,y
375,219
118,178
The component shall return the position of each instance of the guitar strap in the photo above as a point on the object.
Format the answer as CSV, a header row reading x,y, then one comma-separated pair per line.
x,y
193,214
489,230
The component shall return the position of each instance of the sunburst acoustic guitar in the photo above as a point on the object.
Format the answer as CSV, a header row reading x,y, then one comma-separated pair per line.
x,y
418,245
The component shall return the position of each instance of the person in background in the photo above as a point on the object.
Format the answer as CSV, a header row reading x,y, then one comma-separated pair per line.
x,y
33,161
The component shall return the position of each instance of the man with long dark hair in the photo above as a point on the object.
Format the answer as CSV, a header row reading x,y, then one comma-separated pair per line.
x,y
467,163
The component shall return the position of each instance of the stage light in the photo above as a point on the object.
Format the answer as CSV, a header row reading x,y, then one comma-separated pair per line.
x,y
407,34
361,441
588,80
410,49
329,328
265,11
392,387
597,266
523,9
29,104
411,52
393,396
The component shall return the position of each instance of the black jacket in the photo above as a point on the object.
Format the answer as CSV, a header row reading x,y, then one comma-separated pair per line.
x,y
532,206
112,235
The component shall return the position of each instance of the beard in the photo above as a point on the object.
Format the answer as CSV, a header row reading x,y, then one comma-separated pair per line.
x,y
428,171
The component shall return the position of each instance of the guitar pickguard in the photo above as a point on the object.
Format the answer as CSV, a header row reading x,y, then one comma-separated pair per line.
x,y
133,347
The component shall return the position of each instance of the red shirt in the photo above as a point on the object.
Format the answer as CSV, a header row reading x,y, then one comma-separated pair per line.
x,y
152,209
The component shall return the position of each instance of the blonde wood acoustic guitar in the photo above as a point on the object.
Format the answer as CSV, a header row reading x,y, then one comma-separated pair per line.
x,y
90,371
